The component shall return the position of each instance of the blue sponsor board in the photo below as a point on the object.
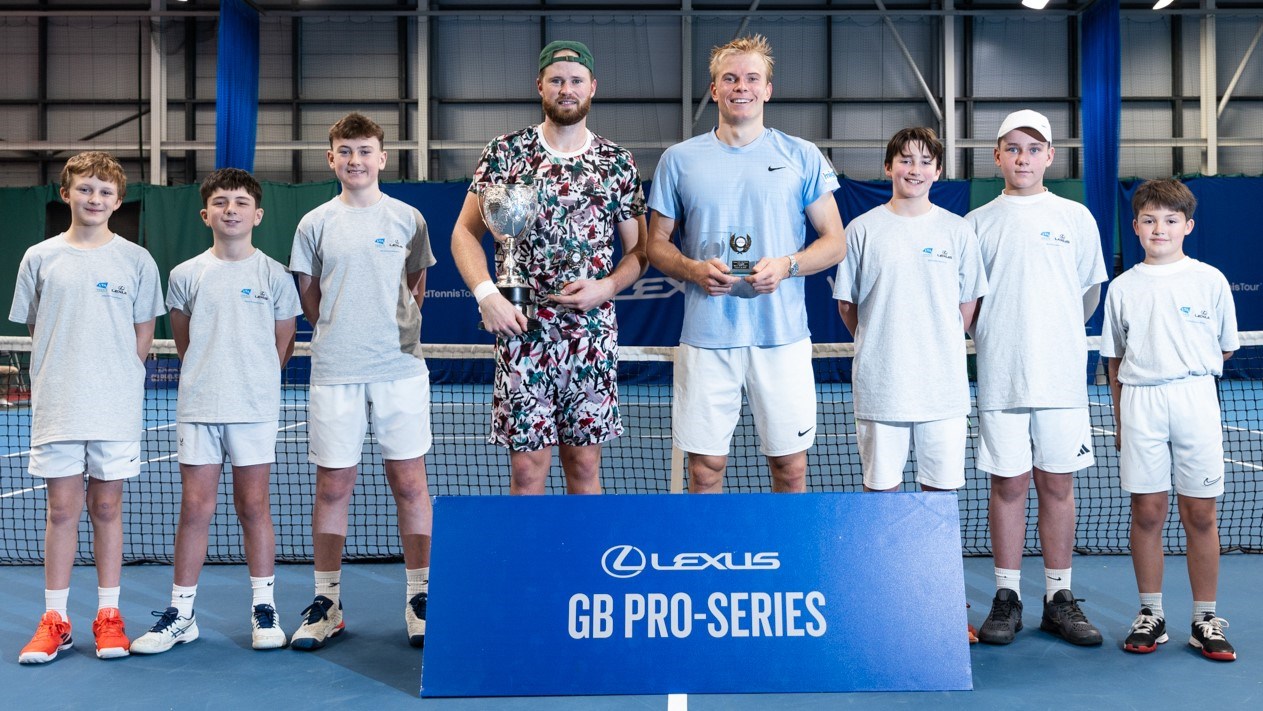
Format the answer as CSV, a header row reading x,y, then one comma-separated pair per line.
x,y
654,594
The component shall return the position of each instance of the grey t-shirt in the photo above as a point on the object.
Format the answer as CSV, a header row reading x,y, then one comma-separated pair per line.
x,y
909,276
369,328
231,372
86,381
1041,253
1169,322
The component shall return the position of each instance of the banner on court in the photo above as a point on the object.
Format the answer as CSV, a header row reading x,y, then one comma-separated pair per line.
x,y
654,594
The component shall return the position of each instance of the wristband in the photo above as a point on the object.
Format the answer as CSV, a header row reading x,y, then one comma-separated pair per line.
x,y
485,289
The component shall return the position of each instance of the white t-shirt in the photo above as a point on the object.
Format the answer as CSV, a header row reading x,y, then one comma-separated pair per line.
x,y
369,328
1169,322
908,277
1041,252
86,381
231,371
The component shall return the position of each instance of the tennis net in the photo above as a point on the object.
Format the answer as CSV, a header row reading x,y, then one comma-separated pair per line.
x,y
641,461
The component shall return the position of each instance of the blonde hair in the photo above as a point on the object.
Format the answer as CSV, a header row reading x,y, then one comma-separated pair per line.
x,y
94,164
750,44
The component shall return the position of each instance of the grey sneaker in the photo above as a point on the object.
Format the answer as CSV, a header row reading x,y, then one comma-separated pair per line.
x,y
1005,619
1063,618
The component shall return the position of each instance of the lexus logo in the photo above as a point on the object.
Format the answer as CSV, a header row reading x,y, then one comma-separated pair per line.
x,y
623,561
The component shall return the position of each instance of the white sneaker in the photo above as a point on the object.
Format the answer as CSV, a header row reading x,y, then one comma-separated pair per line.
x,y
265,633
321,620
414,615
168,631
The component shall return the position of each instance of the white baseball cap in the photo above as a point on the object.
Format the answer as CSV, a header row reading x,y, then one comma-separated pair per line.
x,y
1026,118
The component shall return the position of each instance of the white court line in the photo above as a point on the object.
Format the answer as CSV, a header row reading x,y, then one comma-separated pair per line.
x,y
23,453
1242,429
1244,464
19,492
677,702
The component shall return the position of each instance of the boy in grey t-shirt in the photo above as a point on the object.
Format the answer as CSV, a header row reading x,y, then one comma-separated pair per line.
x,y
1044,268
89,298
361,260
232,314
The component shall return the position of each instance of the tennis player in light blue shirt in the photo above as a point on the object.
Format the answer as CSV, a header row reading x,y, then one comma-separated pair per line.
x,y
741,196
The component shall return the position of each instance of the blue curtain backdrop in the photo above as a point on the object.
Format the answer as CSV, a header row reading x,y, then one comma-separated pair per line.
x,y
1101,80
237,86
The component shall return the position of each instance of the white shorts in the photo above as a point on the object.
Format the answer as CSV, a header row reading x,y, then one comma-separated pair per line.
x,y
104,460
939,444
1172,431
1061,438
338,420
245,443
778,382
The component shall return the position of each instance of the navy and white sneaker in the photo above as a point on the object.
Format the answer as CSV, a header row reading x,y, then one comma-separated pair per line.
x,y
265,631
321,620
414,615
168,631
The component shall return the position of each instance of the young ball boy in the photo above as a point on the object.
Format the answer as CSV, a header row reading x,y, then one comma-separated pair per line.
x,y
361,260
232,314
907,291
1169,326
1044,268
89,298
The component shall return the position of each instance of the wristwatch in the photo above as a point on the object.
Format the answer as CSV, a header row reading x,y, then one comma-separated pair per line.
x,y
793,266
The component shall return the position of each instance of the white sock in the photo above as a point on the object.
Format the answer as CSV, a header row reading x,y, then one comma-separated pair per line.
x,y
182,599
107,597
1153,601
1055,579
55,600
1009,578
1200,608
418,581
329,584
261,591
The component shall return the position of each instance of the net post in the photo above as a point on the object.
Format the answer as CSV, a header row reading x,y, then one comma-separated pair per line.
x,y
677,470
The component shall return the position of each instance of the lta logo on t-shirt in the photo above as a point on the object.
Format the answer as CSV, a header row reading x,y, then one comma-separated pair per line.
x,y
251,296
388,244
118,291
1051,239
1195,316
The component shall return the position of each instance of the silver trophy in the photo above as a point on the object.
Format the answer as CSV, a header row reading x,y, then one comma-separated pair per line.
x,y
509,211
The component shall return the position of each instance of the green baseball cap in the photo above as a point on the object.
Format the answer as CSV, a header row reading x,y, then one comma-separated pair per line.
x,y
547,56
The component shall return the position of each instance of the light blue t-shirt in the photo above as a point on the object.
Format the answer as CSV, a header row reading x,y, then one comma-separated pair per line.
x,y
715,191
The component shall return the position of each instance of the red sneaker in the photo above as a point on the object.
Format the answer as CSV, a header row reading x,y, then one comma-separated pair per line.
x,y
51,636
111,637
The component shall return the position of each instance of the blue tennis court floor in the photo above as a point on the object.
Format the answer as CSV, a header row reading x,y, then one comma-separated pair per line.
x,y
371,666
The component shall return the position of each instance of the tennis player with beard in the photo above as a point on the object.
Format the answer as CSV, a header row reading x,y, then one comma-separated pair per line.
x,y
556,386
